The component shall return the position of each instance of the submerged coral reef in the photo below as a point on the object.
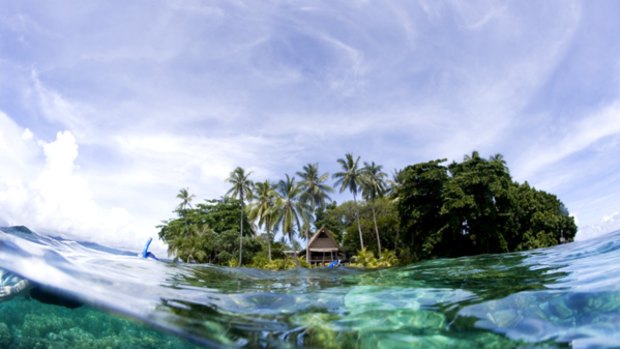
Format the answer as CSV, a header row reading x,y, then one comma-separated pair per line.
x,y
28,324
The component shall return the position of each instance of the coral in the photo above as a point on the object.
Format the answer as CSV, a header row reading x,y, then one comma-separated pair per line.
x,y
5,335
42,326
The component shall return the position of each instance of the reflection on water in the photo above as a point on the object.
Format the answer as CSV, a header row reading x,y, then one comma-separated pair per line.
x,y
566,295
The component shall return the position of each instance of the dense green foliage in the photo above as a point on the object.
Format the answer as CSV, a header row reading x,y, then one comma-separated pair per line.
x,y
475,207
367,259
340,219
429,210
285,263
209,233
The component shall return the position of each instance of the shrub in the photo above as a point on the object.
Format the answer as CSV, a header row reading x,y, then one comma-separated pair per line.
x,y
233,262
367,259
286,263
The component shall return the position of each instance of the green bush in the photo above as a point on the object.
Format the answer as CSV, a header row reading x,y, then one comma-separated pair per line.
x,y
259,261
367,259
233,262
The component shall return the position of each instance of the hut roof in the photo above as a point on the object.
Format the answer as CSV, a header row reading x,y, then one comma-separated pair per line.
x,y
323,241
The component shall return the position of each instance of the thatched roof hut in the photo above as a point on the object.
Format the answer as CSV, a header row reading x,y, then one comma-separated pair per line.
x,y
323,247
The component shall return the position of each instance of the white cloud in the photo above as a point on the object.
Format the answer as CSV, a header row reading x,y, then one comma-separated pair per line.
x,y
608,223
611,217
40,187
27,135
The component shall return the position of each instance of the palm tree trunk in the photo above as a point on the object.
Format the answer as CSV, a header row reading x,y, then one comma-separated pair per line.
x,y
357,217
268,243
290,238
299,229
307,247
374,219
241,235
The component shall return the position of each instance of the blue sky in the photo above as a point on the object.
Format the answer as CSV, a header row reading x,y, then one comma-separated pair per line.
x,y
108,108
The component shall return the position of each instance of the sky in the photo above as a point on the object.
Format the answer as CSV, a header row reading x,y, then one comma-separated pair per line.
x,y
109,108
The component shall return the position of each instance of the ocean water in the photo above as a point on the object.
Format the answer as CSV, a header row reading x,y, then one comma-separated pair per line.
x,y
567,296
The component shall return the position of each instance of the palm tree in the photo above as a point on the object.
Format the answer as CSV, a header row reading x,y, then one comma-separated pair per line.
x,y
391,185
373,187
314,192
264,211
291,209
350,178
241,189
186,200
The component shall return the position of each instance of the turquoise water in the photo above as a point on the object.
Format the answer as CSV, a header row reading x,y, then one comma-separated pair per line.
x,y
566,296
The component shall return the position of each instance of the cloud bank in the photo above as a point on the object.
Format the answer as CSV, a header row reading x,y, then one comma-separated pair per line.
x,y
40,186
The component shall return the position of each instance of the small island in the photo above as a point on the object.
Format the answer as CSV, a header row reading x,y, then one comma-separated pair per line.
x,y
424,211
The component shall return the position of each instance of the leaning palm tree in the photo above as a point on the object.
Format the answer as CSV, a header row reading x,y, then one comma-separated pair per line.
x,y
264,211
373,187
291,209
314,192
241,189
350,178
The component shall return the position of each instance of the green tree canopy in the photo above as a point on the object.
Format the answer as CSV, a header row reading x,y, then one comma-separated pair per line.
x,y
474,207
208,233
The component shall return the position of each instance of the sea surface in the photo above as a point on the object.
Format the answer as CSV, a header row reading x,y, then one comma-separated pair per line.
x,y
567,296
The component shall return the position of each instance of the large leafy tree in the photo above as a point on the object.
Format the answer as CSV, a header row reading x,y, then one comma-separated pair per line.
x,y
265,209
314,192
208,233
242,190
350,178
292,208
539,219
477,199
373,187
473,207
419,194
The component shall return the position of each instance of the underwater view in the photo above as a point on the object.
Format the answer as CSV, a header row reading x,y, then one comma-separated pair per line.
x,y
99,297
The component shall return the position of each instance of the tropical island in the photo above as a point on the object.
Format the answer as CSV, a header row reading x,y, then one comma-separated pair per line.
x,y
426,210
